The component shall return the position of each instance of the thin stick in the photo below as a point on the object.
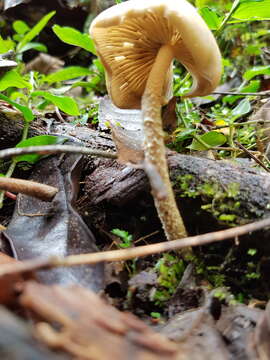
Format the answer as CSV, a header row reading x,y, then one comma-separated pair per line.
x,y
55,149
27,187
126,254
258,161
260,93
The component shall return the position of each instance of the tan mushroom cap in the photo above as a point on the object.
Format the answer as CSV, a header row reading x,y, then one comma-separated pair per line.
x,y
128,36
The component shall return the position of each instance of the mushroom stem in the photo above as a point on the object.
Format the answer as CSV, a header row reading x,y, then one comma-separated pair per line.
x,y
154,148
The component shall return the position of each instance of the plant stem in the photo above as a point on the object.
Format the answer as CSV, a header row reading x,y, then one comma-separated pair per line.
x,y
155,151
203,143
25,130
234,7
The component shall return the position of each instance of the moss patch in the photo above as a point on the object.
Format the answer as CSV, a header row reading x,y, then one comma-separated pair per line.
x,y
220,200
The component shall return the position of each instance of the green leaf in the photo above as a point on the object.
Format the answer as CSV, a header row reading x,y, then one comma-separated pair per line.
x,y
27,113
13,79
253,10
34,45
67,74
253,86
64,103
212,138
210,17
35,30
184,134
6,45
36,141
20,27
241,109
201,3
18,95
74,37
256,70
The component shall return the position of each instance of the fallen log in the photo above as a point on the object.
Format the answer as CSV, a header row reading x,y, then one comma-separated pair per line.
x,y
227,192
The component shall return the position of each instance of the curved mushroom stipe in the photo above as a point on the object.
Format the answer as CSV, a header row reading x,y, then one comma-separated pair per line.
x,y
154,148
137,41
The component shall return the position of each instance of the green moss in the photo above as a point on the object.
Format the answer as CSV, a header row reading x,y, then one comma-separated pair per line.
x,y
221,201
170,270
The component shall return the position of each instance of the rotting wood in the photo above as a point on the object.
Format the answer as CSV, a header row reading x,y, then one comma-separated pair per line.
x,y
113,184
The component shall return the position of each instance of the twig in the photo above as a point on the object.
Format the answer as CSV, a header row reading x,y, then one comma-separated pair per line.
x,y
260,93
235,124
31,188
126,254
55,149
258,161
58,114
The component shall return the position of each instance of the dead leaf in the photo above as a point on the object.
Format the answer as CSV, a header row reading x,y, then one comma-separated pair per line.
x,y
8,283
88,328
17,342
12,3
41,229
236,325
262,116
169,115
129,145
261,338
45,64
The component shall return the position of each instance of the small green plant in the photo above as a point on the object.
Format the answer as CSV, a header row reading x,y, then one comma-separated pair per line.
x,y
126,238
170,270
155,315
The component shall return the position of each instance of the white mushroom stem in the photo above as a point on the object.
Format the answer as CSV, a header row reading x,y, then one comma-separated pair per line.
x,y
155,151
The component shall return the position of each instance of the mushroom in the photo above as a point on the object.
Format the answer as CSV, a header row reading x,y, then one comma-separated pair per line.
x,y
137,42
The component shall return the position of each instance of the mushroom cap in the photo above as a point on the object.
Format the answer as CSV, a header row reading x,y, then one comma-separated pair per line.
x,y
128,36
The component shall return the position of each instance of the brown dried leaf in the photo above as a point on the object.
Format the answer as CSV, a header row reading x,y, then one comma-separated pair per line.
x,y
129,145
12,3
55,229
237,325
197,335
91,329
169,115
8,283
262,335
44,64
262,116
17,342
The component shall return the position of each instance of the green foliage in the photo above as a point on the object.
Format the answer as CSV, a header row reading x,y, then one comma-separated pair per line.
x,y
27,113
67,73
126,238
74,37
241,109
30,35
256,70
220,201
253,10
210,17
36,141
20,27
170,270
6,45
155,315
13,79
64,103
207,140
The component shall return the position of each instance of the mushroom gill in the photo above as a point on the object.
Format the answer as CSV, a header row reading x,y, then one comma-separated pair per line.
x,y
128,52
